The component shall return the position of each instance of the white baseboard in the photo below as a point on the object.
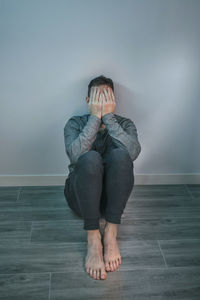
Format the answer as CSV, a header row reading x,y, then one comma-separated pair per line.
x,y
140,179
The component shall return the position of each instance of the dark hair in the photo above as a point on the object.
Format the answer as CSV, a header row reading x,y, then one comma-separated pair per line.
x,y
99,81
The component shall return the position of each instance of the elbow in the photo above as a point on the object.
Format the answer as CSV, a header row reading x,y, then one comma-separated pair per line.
x,y
71,154
136,151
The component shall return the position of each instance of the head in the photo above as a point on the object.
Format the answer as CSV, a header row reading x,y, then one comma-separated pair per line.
x,y
100,81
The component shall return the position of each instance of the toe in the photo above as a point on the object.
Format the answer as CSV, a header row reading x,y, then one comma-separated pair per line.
x,y
91,272
117,263
98,273
111,266
95,274
103,274
107,266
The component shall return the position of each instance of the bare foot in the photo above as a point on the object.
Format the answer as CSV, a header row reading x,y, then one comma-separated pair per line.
x,y
94,262
112,256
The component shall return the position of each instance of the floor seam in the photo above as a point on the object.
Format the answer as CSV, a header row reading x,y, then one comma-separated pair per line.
x,y
18,194
162,254
189,192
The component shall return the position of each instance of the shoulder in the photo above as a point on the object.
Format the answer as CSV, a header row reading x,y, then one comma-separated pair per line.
x,y
76,121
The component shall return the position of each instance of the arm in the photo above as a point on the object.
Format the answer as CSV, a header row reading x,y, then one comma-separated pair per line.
x,y
76,142
126,137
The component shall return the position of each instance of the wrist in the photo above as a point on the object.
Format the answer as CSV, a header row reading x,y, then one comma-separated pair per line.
x,y
97,115
108,113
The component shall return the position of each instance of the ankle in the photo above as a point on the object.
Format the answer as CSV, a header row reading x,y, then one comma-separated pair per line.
x,y
111,228
93,235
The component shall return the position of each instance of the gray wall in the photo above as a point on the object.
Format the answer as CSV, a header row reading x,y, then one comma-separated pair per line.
x,y
50,50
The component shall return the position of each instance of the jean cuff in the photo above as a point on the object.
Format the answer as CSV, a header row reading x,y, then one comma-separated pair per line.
x,y
91,224
113,218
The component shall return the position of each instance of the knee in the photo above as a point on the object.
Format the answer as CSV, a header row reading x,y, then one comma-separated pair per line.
x,y
122,165
91,161
120,157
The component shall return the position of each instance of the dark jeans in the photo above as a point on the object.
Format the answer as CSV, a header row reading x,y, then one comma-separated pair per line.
x,y
100,185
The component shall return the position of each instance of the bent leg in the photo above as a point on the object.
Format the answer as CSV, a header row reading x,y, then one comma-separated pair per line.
x,y
118,183
85,187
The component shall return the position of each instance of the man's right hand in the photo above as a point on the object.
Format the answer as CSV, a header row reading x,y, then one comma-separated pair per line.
x,y
95,102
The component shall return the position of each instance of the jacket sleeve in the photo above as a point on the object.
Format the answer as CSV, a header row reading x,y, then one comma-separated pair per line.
x,y
124,136
78,142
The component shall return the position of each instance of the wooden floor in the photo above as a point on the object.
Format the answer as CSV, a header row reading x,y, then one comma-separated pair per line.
x,y
43,246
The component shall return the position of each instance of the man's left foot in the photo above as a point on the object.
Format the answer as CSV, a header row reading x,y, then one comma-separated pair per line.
x,y
112,256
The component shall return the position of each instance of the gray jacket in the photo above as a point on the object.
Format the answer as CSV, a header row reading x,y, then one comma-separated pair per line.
x,y
81,134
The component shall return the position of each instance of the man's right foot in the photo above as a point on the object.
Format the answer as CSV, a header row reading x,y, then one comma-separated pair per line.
x,y
112,256
94,262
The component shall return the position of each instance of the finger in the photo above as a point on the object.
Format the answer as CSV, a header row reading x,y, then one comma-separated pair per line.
x,y
94,95
98,96
100,93
109,95
106,96
103,98
103,102
112,95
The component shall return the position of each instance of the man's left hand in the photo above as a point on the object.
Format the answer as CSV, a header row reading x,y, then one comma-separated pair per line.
x,y
108,101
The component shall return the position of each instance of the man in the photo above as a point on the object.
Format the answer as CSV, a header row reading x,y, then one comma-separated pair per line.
x,y
101,147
